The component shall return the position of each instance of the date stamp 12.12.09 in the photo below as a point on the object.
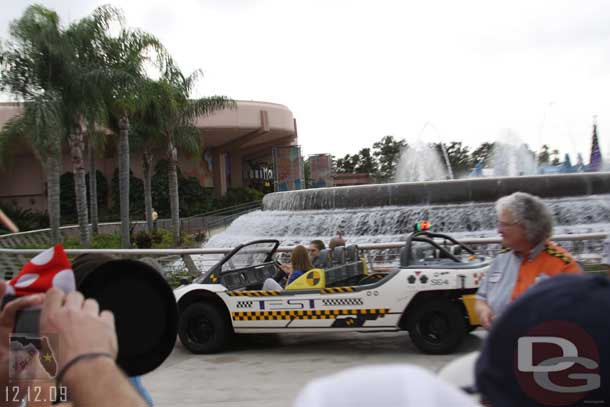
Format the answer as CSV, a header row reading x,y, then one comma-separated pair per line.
x,y
32,370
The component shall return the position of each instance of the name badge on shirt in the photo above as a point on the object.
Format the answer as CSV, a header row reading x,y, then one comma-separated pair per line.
x,y
495,277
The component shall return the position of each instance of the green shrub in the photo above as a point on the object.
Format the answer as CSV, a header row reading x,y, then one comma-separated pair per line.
x,y
106,241
159,239
143,240
236,196
193,198
67,202
25,219
68,196
163,240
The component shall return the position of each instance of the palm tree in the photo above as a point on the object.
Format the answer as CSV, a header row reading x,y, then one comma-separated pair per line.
x,y
68,64
95,142
176,117
41,126
87,40
128,57
31,64
147,138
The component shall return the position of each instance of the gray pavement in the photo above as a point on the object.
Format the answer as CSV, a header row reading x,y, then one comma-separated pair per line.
x,y
269,370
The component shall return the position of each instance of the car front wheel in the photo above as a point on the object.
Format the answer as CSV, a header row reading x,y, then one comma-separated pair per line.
x,y
203,328
437,326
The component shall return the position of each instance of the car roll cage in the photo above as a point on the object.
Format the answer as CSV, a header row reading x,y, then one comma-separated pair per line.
x,y
426,236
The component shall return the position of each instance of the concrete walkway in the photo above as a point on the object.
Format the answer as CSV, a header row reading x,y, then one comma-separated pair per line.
x,y
269,370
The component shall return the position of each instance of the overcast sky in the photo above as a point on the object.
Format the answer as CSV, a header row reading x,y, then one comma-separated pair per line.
x,y
354,71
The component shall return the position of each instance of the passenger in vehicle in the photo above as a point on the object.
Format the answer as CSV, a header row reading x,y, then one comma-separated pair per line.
x,y
525,224
299,264
315,247
337,241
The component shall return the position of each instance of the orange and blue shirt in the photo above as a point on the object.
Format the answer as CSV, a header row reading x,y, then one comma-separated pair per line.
x,y
511,274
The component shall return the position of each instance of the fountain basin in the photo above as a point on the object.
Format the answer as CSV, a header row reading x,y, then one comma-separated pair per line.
x,y
439,192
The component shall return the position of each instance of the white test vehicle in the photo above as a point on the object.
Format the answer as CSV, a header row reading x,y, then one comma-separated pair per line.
x,y
431,295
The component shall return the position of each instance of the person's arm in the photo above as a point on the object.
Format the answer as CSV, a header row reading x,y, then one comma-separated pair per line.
x,y
293,276
87,349
99,382
481,307
485,313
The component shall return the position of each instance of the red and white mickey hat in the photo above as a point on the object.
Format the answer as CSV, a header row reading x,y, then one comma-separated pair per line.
x,y
50,268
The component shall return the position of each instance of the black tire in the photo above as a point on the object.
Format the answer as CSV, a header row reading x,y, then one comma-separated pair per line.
x,y
436,326
203,328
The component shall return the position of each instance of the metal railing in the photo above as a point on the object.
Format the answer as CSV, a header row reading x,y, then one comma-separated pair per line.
x,y
377,254
220,218
202,223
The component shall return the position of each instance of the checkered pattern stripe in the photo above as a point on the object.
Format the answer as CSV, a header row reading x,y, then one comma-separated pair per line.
x,y
256,293
244,304
330,302
310,314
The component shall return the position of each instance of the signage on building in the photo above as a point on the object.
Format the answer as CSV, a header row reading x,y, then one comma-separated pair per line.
x,y
287,168
320,166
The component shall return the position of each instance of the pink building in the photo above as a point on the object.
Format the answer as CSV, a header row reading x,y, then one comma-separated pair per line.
x,y
342,180
237,153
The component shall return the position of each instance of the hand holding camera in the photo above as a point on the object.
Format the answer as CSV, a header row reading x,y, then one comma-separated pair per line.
x,y
80,327
8,316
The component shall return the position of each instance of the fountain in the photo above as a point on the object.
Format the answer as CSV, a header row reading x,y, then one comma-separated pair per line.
x,y
512,158
373,213
386,212
439,192
420,162
392,223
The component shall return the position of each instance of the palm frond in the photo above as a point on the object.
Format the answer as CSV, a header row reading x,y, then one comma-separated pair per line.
x,y
208,105
13,132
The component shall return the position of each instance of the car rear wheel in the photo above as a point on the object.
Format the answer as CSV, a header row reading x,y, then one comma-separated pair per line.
x,y
203,328
437,326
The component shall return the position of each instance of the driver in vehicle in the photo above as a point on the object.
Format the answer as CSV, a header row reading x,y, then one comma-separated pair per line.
x,y
525,224
299,264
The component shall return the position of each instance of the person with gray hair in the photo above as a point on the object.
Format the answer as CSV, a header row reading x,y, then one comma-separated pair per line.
x,y
525,224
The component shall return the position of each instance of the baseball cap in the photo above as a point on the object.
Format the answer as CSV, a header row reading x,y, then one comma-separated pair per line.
x,y
382,386
550,347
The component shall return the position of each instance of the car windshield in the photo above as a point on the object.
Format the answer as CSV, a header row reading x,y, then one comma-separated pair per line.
x,y
248,255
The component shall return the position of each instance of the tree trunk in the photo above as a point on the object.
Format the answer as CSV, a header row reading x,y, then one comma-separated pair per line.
x,y
92,187
53,192
124,180
172,156
77,147
148,161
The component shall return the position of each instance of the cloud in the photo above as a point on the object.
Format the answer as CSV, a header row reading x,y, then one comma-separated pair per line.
x,y
354,71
